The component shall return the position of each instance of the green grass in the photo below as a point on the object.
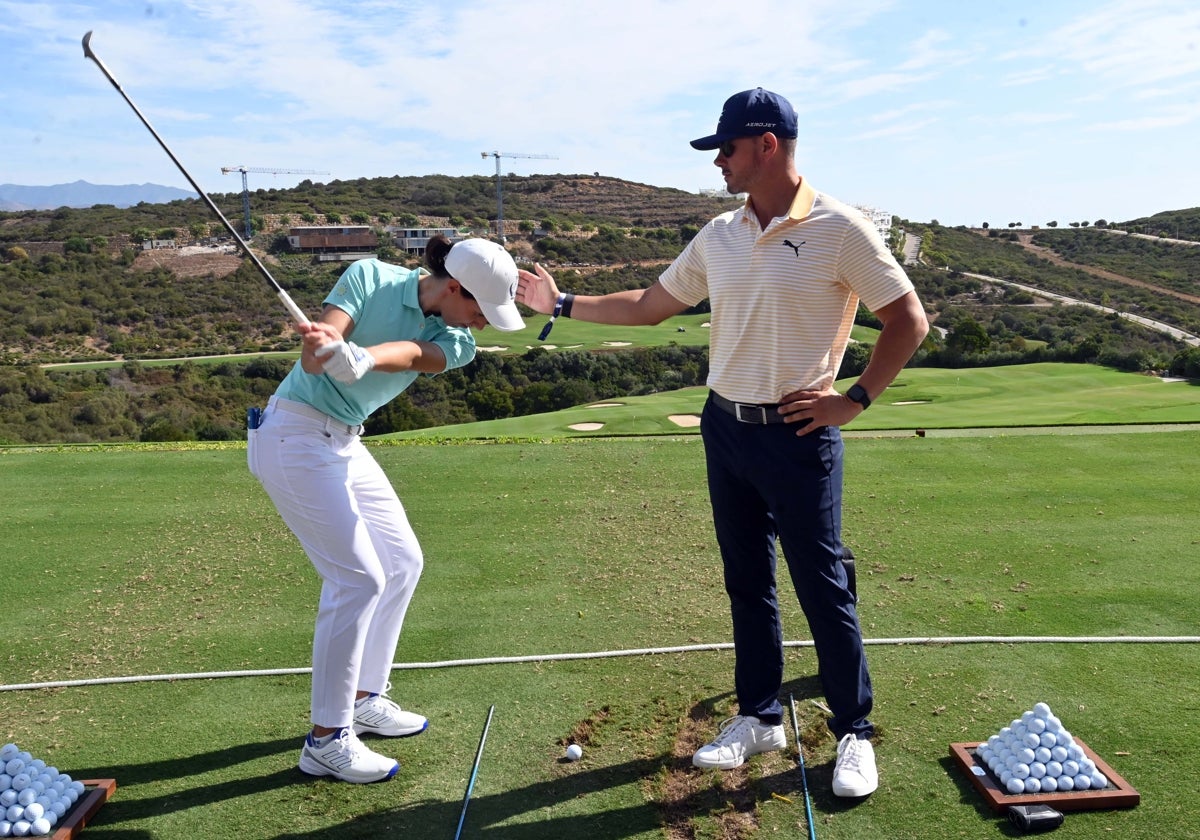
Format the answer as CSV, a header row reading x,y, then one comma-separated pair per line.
x,y
1048,394
134,560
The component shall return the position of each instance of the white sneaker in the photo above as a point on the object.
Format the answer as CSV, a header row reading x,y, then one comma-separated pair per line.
x,y
740,738
346,758
377,714
854,774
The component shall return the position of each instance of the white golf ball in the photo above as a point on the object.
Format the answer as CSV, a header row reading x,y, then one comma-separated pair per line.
x,y
5,828
1033,785
21,781
1020,771
21,828
27,797
1054,769
1016,786
1041,710
1070,768
14,813
574,752
1083,782
34,811
1099,780
40,827
14,766
1059,753
8,797
1065,782
1049,784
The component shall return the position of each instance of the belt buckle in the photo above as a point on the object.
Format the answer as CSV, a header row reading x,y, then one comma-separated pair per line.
x,y
761,419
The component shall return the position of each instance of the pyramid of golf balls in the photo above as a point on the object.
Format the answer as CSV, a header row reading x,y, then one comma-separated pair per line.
x,y
1035,754
33,797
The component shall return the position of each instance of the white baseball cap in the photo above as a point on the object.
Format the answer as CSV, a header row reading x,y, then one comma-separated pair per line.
x,y
487,271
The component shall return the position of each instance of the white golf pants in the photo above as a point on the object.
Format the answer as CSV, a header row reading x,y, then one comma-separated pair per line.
x,y
335,498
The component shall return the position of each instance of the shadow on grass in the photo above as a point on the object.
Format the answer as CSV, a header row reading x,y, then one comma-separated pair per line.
x,y
124,810
968,795
486,812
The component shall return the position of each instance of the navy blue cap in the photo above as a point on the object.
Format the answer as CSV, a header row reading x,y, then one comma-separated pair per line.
x,y
748,114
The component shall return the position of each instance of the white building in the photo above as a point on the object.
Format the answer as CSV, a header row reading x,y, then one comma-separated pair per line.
x,y
881,219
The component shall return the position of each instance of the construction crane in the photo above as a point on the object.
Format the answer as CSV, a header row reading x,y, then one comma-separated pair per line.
x,y
265,170
500,189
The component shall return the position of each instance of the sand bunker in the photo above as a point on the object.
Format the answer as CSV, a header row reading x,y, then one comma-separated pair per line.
x,y
617,343
913,402
604,405
492,349
685,420
586,427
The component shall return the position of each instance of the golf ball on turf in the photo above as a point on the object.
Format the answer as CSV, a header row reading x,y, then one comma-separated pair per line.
x,y
574,752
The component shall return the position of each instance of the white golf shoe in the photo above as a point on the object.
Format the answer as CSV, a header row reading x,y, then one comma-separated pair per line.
x,y
854,774
740,738
346,758
379,715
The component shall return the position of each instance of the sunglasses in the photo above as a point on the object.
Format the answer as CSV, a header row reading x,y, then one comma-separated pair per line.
x,y
727,148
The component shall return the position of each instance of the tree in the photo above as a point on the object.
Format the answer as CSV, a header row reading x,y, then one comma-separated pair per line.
x,y
968,336
1052,224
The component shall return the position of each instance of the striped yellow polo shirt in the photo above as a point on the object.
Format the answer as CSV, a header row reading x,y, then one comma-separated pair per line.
x,y
783,299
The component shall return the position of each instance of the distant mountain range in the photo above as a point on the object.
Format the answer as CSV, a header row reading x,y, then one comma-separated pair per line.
x,y
83,194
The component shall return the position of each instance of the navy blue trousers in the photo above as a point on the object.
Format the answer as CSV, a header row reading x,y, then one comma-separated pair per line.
x,y
765,483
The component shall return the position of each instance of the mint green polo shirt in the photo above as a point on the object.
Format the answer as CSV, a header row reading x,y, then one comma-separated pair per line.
x,y
383,301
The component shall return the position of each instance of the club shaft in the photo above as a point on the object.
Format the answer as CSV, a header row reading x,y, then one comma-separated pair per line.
x,y
812,829
296,312
474,771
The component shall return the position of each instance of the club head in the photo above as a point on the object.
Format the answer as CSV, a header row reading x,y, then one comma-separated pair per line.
x,y
87,46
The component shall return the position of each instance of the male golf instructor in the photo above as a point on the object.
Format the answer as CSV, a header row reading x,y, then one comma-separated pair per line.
x,y
784,275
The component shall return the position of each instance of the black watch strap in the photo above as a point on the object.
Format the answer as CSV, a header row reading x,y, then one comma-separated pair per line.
x,y
859,394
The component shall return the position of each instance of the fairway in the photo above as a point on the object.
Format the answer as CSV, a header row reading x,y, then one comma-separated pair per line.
x,y
139,561
1018,396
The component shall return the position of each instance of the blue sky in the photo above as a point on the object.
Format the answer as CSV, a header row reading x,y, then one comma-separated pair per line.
x,y
959,111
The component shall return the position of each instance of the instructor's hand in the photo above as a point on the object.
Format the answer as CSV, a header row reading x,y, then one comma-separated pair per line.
x,y
537,291
345,361
820,408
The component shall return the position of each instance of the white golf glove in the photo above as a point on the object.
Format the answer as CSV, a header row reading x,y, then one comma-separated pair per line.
x,y
345,361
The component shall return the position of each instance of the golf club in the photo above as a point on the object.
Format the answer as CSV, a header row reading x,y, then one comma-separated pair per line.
x,y
812,829
474,772
296,311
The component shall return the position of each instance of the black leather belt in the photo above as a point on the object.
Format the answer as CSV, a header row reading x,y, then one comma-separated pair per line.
x,y
759,415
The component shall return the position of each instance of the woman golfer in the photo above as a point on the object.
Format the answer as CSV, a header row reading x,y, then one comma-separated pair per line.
x,y
336,499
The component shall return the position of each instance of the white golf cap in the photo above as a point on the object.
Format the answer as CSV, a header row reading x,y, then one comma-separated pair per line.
x,y
487,271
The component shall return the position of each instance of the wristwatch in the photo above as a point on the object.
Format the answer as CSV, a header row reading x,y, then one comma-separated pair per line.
x,y
858,393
